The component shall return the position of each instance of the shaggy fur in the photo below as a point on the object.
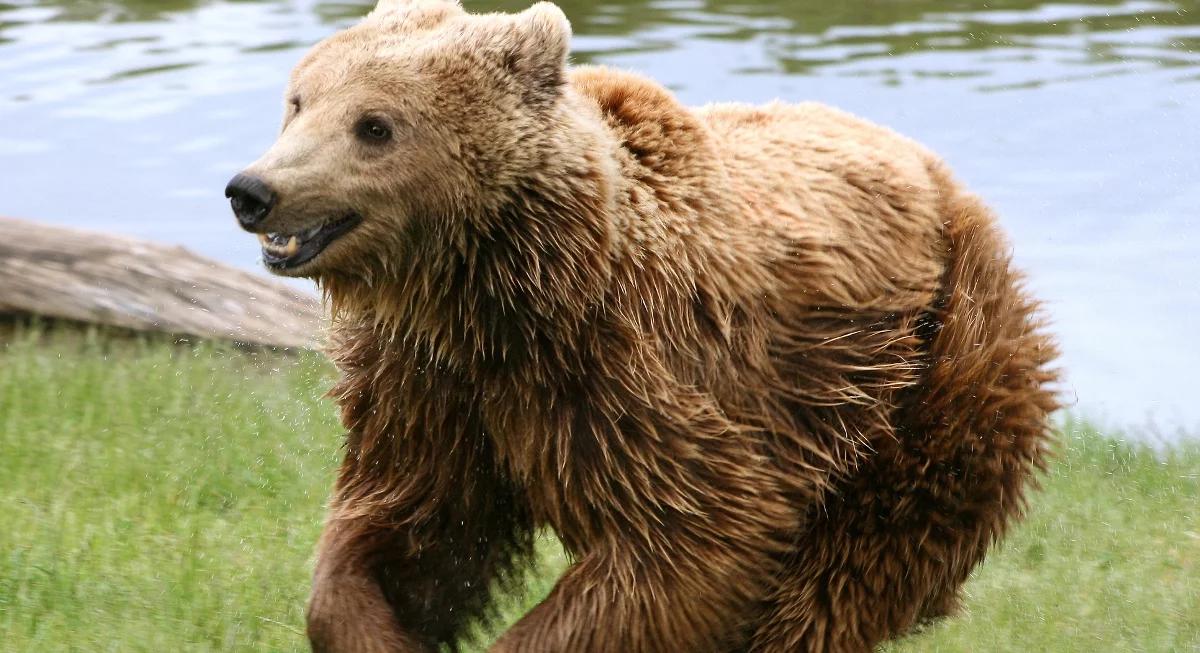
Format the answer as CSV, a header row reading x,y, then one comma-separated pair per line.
x,y
766,371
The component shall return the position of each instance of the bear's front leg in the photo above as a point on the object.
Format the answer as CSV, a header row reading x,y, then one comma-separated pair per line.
x,y
348,611
407,563
685,597
678,536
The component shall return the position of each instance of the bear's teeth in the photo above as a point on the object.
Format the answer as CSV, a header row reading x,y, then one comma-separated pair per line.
x,y
272,239
287,245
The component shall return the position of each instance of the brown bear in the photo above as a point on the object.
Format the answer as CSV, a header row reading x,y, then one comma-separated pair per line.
x,y
767,372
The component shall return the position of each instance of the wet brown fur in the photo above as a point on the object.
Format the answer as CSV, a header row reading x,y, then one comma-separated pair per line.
x,y
767,372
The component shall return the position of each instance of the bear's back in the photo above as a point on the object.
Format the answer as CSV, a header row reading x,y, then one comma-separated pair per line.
x,y
839,184
867,199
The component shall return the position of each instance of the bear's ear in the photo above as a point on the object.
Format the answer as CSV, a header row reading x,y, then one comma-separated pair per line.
x,y
539,55
388,6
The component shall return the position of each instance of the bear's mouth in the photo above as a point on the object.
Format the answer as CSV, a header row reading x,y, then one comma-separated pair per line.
x,y
286,251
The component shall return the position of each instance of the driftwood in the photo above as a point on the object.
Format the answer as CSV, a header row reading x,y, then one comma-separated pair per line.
x,y
84,276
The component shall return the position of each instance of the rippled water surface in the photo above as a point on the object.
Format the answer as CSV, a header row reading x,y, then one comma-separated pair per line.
x,y
1080,122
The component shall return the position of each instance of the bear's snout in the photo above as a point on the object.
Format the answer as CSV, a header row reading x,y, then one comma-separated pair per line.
x,y
251,199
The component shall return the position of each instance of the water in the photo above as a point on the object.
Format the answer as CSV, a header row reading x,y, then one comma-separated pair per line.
x,y
1078,122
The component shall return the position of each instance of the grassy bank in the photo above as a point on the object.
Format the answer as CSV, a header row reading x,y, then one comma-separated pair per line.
x,y
156,497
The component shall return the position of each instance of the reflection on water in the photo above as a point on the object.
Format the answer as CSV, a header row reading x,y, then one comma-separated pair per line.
x,y
1076,120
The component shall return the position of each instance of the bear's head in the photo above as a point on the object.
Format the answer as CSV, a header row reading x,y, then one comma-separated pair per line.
x,y
400,127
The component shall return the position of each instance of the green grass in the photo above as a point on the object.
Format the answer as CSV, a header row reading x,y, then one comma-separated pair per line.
x,y
156,497
1108,559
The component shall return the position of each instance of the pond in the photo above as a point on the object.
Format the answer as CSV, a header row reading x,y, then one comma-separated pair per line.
x,y
1077,121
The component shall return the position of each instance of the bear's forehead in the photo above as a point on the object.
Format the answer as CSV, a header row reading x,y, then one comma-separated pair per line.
x,y
415,15
419,25
356,59
432,48
377,47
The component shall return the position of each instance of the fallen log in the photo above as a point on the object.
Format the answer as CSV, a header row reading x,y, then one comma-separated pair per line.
x,y
85,276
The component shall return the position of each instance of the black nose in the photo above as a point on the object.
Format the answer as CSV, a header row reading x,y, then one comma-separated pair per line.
x,y
251,199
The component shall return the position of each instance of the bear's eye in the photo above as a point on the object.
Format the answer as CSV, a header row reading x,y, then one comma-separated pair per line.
x,y
373,130
295,102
